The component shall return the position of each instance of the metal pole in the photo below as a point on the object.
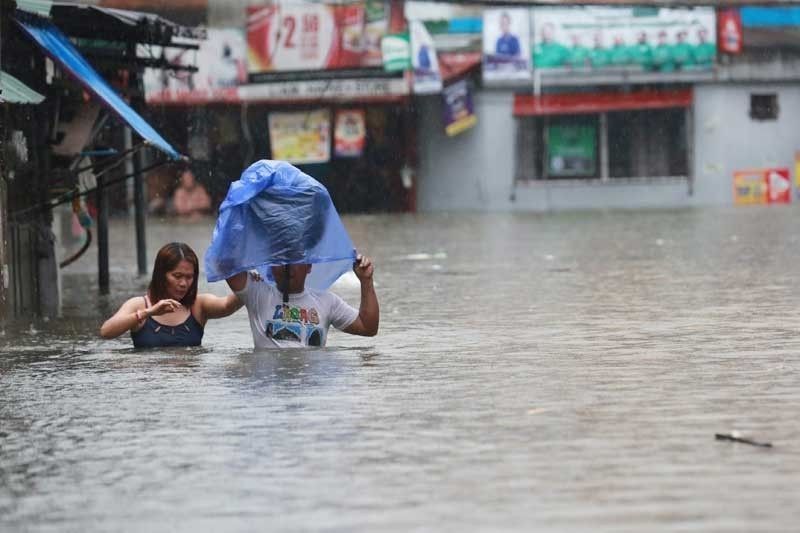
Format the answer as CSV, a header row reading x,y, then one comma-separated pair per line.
x,y
604,155
140,206
102,236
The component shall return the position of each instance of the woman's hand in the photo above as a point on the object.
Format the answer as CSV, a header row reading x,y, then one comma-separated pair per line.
x,y
163,307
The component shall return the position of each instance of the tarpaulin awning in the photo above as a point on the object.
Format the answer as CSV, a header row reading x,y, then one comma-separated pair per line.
x,y
14,91
58,47
582,103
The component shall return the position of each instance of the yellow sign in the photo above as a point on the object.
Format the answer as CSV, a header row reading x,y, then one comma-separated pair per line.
x,y
301,137
749,187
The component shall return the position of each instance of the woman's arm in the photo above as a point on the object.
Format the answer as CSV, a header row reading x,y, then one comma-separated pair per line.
x,y
132,315
129,317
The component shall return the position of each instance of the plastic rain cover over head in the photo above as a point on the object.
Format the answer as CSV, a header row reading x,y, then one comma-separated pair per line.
x,y
277,215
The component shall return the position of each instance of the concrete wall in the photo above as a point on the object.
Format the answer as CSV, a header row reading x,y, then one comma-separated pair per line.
x,y
727,139
474,171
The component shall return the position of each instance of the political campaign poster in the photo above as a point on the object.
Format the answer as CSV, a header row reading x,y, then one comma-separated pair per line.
x,y
506,45
427,77
571,150
650,39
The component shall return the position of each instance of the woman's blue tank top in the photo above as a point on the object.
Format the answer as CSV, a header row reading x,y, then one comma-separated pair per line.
x,y
154,335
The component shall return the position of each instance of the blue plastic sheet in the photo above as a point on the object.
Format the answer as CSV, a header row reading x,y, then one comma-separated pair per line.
x,y
277,215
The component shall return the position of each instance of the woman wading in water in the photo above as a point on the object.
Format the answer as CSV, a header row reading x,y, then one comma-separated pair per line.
x,y
172,298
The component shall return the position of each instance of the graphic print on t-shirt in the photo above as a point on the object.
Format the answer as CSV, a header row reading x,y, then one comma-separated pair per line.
x,y
296,324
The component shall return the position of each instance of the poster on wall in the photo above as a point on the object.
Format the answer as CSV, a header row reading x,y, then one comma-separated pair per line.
x,y
762,186
459,113
300,136
220,63
506,45
396,52
571,150
304,35
730,31
376,26
624,38
350,133
427,77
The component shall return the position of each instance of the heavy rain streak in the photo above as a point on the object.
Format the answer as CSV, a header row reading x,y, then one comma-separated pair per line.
x,y
386,265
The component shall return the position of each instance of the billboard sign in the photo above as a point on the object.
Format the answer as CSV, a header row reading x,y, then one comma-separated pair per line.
x,y
300,136
629,38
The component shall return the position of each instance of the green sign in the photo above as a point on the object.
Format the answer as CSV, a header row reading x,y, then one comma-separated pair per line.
x,y
396,51
571,150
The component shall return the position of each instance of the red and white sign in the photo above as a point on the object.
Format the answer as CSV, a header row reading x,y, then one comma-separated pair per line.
x,y
730,31
289,36
779,186
350,133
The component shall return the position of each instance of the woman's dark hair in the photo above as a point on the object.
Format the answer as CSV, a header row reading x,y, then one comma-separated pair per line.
x,y
167,259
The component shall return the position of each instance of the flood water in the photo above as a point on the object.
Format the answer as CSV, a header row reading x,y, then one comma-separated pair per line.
x,y
532,372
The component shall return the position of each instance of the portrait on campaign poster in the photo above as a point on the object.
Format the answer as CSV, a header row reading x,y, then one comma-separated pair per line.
x,y
427,77
506,45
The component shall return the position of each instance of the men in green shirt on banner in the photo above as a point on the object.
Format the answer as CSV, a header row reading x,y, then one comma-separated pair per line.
x,y
578,54
599,56
641,52
662,54
620,54
704,52
549,53
682,51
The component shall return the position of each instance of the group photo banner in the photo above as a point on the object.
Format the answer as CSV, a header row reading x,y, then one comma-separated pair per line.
x,y
649,39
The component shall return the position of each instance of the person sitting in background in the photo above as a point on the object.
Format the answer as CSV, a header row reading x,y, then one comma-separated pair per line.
x,y
172,297
190,198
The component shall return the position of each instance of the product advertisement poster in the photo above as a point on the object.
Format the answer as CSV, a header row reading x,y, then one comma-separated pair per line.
x,y
300,35
221,68
459,113
300,137
350,133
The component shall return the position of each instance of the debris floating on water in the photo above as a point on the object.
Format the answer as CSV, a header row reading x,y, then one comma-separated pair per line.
x,y
735,437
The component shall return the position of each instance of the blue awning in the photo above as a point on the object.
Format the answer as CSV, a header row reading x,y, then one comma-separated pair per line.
x,y
56,45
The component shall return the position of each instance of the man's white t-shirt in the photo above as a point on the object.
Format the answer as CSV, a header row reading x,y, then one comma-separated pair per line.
x,y
304,321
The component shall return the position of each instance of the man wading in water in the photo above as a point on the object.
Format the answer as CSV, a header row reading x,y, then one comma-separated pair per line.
x,y
289,314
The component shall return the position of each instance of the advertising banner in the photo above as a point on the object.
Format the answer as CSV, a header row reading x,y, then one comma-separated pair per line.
x,y
730,31
459,113
220,63
648,39
427,77
304,35
396,52
375,27
506,44
350,133
301,136
762,186
571,150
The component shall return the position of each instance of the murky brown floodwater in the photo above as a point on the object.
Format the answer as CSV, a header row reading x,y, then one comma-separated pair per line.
x,y
562,373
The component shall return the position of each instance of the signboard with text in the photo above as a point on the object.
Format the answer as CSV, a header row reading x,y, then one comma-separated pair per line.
x,y
304,35
630,38
221,68
571,150
762,186
459,114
